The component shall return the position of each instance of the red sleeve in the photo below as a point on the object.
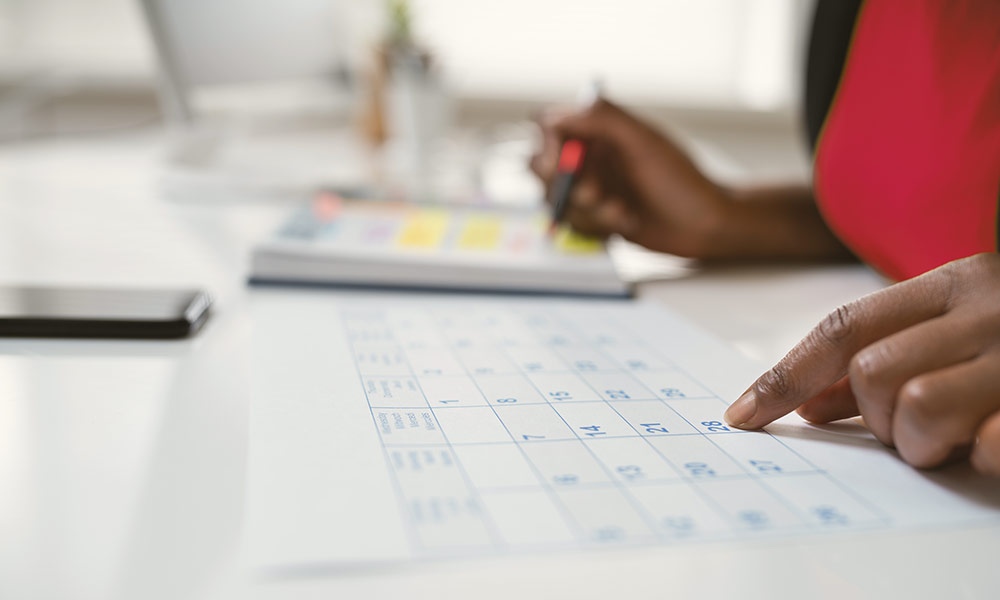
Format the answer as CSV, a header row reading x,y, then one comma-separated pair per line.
x,y
907,167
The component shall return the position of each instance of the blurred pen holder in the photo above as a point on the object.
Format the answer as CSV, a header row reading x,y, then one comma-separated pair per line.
x,y
408,116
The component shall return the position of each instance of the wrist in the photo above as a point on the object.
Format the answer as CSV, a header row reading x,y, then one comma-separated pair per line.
x,y
720,226
770,223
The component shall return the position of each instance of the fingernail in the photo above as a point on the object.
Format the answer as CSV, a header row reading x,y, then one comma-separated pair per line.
x,y
743,410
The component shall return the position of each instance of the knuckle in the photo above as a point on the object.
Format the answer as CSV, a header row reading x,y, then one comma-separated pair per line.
x,y
777,382
865,368
837,326
926,440
870,368
967,275
918,400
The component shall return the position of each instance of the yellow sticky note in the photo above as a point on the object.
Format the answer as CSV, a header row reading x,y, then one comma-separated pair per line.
x,y
424,229
568,240
480,233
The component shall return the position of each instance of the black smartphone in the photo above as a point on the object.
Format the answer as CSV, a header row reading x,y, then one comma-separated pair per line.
x,y
53,312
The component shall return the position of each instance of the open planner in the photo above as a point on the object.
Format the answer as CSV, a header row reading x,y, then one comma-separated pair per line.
x,y
356,243
435,427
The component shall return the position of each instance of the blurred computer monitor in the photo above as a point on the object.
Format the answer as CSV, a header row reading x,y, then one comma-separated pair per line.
x,y
206,43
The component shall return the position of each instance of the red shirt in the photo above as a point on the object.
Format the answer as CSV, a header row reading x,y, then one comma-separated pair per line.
x,y
907,169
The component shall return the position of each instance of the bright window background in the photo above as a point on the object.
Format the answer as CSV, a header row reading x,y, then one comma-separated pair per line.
x,y
734,53
737,54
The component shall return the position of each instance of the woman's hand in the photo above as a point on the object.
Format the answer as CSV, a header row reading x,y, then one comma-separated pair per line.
x,y
637,183
920,361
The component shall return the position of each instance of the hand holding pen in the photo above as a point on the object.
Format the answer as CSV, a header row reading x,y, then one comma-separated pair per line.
x,y
607,172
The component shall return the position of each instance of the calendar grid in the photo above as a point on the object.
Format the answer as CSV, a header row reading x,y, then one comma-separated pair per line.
x,y
708,499
646,483
705,497
541,478
727,431
497,540
653,467
411,533
646,517
567,516
610,437
846,489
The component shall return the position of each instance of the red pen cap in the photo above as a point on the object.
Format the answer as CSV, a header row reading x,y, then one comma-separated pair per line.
x,y
571,156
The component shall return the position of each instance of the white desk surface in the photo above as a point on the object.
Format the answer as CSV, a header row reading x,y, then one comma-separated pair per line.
x,y
122,464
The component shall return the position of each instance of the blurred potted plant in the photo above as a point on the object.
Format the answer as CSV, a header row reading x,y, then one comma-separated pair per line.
x,y
407,106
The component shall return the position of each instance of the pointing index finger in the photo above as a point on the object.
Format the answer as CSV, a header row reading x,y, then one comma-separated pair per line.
x,y
823,356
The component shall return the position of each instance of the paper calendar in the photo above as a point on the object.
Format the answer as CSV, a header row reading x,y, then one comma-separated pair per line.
x,y
440,428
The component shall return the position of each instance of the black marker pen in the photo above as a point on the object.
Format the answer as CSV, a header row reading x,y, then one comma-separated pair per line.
x,y
571,157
